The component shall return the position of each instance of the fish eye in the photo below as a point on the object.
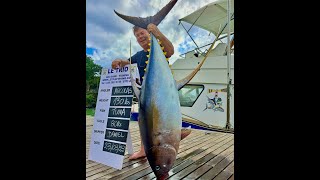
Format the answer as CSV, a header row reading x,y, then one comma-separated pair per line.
x,y
157,168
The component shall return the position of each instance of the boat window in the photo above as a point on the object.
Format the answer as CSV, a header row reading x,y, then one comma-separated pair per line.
x,y
189,94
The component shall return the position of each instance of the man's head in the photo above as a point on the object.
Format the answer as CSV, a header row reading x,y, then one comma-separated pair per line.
x,y
142,36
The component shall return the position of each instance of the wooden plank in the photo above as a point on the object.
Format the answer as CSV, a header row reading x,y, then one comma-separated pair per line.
x,y
206,167
93,163
93,172
188,143
97,166
194,148
208,155
183,157
226,173
215,170
190,161
231,177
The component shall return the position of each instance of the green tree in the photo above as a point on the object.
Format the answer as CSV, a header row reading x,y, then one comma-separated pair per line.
x,y
91,70
92,82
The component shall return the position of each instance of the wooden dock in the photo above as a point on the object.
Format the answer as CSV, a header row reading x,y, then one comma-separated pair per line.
x,y
202,155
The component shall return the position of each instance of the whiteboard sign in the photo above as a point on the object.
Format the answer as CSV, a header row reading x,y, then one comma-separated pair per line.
x,y
110,134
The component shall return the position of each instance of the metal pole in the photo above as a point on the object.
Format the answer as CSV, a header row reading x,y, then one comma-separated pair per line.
x,y
229,69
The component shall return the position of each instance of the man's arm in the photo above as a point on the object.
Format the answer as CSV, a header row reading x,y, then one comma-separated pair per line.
x,y
168,47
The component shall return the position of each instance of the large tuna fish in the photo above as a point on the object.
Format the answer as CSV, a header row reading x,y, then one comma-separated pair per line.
x,y
159,113
160,117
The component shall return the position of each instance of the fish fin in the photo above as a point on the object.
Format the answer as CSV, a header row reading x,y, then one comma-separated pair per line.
x,y
144,22
134,86
185,132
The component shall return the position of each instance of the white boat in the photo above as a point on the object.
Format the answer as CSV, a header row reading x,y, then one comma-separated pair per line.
x,y
197,97
204,100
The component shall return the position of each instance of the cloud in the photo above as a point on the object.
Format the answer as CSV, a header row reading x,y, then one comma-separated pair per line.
x,y
110,35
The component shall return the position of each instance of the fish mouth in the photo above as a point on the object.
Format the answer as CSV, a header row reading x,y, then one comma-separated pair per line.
x,y
162,159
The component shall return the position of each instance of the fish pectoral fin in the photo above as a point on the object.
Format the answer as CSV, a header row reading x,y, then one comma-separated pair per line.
x,y
134,86
135,89
185,132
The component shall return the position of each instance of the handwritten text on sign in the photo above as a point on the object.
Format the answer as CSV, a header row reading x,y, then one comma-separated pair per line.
x,y
114,147
116,135
121,101
123,90
118,124
120,112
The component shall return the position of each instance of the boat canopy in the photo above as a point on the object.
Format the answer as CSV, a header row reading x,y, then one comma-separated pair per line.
x,y
212,17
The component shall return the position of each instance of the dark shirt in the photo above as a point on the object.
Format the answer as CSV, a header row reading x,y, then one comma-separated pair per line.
x,y
140,58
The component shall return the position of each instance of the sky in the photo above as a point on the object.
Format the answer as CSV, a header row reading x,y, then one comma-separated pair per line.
x,y
108,36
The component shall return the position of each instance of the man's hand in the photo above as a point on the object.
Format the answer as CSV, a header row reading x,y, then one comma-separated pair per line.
x,y
116,63
154,30
168,47
119,63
